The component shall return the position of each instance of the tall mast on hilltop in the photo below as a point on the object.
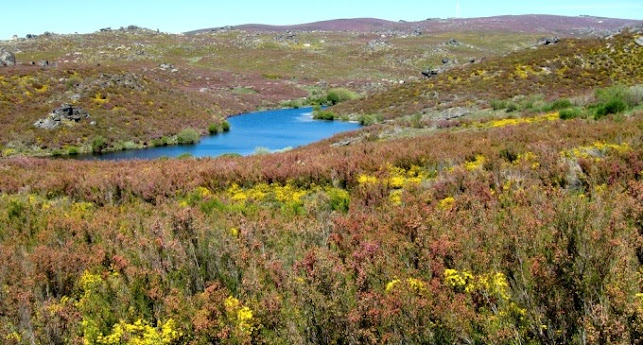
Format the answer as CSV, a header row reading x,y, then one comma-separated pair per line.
x,y
457,9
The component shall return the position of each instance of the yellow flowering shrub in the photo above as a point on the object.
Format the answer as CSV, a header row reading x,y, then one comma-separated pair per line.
x,y
239,315
395,197
416,285
460,281
202,191
365,180
99,98
287,194
527,158
391,285
79,209
141,333
476,164
413,284
518,121
639,300
494,284
446,203
596,151
400,177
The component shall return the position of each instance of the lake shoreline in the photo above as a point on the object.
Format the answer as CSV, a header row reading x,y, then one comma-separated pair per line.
x,y
271,131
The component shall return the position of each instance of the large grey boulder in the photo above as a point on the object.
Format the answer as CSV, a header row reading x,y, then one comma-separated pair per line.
x,y
66,113
7,58
639,41
545,41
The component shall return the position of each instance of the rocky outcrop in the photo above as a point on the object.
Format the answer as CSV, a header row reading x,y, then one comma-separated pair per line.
x,y
7,58
168,67
639,41
453,113
432,72
545,41
126,80
66,113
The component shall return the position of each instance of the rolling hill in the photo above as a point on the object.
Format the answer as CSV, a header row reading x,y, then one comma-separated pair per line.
x,y
545,24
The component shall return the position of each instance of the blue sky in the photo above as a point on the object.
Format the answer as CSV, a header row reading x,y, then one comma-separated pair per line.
x,y
69,16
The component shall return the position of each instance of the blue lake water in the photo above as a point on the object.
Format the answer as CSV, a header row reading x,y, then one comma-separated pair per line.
x,y
273,130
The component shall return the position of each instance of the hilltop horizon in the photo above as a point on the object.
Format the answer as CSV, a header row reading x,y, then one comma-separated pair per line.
x,y
82,17
430,24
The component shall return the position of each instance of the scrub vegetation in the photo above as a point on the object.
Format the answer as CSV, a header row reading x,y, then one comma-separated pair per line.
x,y
497,203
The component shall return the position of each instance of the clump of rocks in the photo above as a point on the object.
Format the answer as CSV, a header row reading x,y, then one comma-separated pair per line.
x,y
126,80
545,41
432,72
67,113
168,67
7,58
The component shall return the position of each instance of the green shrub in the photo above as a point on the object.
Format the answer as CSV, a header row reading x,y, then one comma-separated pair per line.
x,y
73,150
340,95
531,102
511,107
184,155
571,113
339,200
164,141
225,126
295,103
130,145
613,106
559,104
231,155
612,100
188,136
368,120
213,128
324,115
99,144
497,104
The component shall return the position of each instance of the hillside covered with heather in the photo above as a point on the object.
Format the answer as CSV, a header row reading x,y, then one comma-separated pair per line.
x,y
496,199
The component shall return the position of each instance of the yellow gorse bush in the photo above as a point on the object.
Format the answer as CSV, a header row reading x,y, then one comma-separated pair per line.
x,y
396,179
264,192
141,333
364,179
518,121
413,284
492,284
596,151
475,164
239,315
527,158
446,203
461,281
400,177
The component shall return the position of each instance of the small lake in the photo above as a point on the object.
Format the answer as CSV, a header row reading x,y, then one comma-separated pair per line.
x,y
273,130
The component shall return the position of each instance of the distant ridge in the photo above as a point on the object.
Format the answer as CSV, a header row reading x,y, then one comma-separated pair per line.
x,y
532,23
